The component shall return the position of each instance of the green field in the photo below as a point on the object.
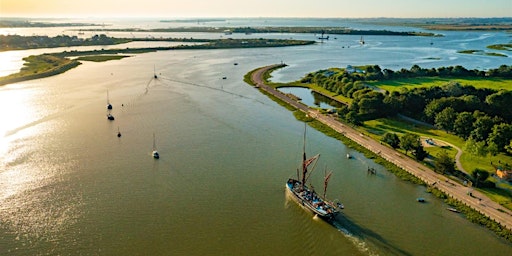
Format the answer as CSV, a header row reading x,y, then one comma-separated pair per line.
x,y
409,83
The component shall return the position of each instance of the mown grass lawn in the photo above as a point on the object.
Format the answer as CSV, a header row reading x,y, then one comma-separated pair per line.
x,y
409,83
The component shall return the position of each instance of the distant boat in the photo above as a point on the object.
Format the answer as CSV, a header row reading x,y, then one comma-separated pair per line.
x,y
109,106
420,199
118,132
361,41
349,156
452,209
155,152
306,196
322,37
110,117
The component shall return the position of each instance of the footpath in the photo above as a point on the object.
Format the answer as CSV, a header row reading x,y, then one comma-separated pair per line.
x,y
475,200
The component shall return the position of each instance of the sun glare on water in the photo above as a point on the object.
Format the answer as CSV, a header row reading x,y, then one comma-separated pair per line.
x,y
15,112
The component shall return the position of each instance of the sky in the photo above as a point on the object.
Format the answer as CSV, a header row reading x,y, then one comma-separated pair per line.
x,y
256,8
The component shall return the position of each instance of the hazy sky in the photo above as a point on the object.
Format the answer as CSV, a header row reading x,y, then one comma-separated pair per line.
x,y
256,8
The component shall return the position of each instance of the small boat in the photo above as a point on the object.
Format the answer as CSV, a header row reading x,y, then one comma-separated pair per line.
x,y
306,196
451,209
155,152
420,199
349,156
109,106
361,41
110,117
322,37
118,132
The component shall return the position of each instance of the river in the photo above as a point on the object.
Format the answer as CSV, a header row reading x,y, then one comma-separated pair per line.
x,y
70,186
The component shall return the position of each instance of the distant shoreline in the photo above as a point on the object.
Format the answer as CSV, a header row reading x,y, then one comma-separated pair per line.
x,y
46,65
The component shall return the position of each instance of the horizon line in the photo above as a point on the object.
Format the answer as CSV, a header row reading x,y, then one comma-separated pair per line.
x,y
234,17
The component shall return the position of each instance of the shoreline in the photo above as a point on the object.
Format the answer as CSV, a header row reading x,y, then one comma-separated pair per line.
x,y
477,201
67,64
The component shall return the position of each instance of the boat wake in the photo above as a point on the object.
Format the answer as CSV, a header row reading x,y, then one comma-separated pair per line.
x,y
358,242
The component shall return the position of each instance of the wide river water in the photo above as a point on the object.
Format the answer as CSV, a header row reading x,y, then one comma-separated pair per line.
x,y
70,186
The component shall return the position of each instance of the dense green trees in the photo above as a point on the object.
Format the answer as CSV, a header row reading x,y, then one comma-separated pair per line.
x,y
482,115
16,42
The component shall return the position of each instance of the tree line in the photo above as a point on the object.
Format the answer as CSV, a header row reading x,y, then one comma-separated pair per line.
x,y
17,42
481,116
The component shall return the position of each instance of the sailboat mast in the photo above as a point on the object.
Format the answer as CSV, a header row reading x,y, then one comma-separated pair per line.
x,y
304,164
326,181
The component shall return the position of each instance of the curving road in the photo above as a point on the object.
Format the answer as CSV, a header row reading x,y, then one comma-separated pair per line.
x,y
477,200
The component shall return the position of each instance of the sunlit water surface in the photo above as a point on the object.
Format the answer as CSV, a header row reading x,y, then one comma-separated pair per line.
x,y
70,186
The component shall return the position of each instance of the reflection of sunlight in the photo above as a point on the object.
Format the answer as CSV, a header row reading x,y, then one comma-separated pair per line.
x,y
10,62
15,111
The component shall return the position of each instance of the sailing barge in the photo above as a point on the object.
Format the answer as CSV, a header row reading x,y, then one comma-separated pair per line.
x,y
306,196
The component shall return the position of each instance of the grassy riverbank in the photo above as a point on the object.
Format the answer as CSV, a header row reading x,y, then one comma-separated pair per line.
x,y
40,66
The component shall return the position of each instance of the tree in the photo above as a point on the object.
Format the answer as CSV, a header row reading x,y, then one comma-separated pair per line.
x,y
444,163
420,153
433,107
353,118
482,127
463,124
492,148
479,176
500,136
499,104
508,148
476,148
446,119
391,139
409,141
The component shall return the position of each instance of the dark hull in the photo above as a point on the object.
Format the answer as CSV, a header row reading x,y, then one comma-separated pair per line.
x,y
309,201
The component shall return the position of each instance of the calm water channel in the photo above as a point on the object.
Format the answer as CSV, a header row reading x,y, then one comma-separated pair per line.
x,y
69,186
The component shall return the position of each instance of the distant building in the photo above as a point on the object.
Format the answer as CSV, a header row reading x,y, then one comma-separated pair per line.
x,y
351,69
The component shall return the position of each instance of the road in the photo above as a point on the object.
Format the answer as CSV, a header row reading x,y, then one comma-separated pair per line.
x,y
477,200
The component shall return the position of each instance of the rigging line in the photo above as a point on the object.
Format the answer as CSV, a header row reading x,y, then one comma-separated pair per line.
x,y
147,85
214,88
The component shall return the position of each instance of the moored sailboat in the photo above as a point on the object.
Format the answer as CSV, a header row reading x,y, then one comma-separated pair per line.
x,y
109,106
155,152
306,196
